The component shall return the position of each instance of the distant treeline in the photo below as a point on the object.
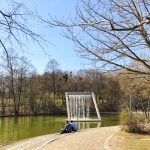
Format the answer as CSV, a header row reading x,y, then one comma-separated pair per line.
x,y
23,91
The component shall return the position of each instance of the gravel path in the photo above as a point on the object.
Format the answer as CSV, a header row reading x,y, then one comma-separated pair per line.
x,y
91,139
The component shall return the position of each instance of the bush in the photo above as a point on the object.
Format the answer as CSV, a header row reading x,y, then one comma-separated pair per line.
x,y
132,122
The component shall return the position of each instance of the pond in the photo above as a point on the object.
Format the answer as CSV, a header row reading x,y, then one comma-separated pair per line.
x,y
13,129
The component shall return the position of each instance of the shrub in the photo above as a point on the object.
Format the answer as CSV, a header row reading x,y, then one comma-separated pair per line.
x,y
133,122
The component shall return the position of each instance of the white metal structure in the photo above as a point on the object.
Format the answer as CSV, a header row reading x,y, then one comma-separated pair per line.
x,y
78,106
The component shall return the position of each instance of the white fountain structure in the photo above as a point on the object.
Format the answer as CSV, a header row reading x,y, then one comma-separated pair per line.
x,y
78,106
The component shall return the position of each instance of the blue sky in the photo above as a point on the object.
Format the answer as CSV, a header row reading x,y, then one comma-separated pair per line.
x,y
61,49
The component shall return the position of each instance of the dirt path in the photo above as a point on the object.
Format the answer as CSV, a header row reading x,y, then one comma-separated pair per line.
x,y
91,139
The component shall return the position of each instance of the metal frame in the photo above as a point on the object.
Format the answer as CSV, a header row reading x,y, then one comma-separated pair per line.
x,y
82,93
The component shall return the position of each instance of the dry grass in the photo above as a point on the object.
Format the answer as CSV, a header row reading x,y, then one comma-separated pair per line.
x,y
130,141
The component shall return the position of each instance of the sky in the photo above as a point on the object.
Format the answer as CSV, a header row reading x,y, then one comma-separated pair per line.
x,y
59,48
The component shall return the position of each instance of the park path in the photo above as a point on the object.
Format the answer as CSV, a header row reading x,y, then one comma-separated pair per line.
x,y
34,143
90,139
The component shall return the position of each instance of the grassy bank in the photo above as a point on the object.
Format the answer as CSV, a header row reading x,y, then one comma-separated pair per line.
x,y
130,141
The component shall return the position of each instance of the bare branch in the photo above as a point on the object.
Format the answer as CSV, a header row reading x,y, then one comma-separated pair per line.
x,y
112,34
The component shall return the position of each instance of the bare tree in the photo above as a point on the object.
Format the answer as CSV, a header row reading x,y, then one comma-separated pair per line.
x,y
16,70
3,87
15,28
114,33
52,67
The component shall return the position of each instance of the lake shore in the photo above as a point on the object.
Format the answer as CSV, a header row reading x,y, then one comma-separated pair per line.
x,y
48,114
84,140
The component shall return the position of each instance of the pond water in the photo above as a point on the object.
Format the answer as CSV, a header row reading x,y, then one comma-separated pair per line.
x,y
13,129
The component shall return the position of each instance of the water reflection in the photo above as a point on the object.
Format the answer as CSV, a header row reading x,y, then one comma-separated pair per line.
x,y
13,129
99,124
86,125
